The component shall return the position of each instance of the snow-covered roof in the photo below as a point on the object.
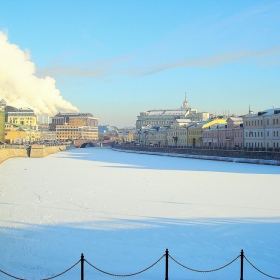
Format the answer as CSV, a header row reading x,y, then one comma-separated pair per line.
x,y
167,112
271,111
235,119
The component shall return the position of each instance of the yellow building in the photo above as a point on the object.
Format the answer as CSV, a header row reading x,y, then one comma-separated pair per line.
x,y
16,135
195,132
22,116
2,125
2,119
195,135
32,136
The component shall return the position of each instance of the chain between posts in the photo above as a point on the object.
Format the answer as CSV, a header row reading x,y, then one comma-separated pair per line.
x,y
260,270
166,255
125,275
42,278
204,271
11,275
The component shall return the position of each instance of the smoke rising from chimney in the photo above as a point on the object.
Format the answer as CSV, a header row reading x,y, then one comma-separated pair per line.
x,y
20,87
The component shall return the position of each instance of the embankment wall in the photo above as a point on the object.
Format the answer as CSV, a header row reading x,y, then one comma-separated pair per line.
x,y
271,158
37,151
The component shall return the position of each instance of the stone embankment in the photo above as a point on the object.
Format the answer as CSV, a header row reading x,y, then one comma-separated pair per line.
x,y
37,151
241,156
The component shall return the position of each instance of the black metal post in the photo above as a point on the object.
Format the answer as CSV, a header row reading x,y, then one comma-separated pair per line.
x,y
166,264
241,264
82,267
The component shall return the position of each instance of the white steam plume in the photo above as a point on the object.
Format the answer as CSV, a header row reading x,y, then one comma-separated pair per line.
x,y
19,86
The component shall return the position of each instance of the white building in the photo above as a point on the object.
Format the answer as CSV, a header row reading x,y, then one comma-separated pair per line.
x,y
262,130
167,117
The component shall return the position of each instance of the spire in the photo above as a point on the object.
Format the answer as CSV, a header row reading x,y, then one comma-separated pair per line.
x,y
250,112
186,103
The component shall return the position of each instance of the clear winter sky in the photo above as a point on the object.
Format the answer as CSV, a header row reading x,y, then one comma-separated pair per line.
x,y
115,59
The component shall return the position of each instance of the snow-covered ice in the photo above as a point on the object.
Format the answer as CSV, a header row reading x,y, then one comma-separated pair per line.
x,y
122,210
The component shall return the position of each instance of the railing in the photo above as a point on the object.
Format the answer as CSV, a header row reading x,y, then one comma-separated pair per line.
x,y
167,256
191,148
24,146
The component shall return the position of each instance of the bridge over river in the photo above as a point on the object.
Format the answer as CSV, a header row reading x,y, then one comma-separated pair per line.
x,y
82,143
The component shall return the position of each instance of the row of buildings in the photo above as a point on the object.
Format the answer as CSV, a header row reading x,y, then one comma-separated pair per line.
x,y
183,127
186,127
19,126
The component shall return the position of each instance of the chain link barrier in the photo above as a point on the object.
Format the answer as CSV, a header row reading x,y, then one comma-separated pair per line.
x,y
42,278
125,275
260,270
204,271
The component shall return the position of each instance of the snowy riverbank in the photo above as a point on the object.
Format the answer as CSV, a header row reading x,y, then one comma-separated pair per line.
x,y
122,210
203,157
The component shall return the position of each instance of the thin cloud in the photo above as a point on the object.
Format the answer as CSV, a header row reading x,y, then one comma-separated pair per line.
x,y
212,61
114,66
250,15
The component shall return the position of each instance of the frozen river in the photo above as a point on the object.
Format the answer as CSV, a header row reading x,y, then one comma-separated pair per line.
x,y
122,211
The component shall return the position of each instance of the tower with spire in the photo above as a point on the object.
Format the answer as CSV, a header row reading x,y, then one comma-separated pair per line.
x,y
250,111
186,103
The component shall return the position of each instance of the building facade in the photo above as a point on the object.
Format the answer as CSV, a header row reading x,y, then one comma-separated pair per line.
x,y
167,117
210,132
262,130
155,136
195,135
2,120
71,126
177,134
22,116
230,135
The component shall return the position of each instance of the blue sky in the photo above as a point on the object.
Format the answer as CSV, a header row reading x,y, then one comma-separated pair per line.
x,y
115,59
